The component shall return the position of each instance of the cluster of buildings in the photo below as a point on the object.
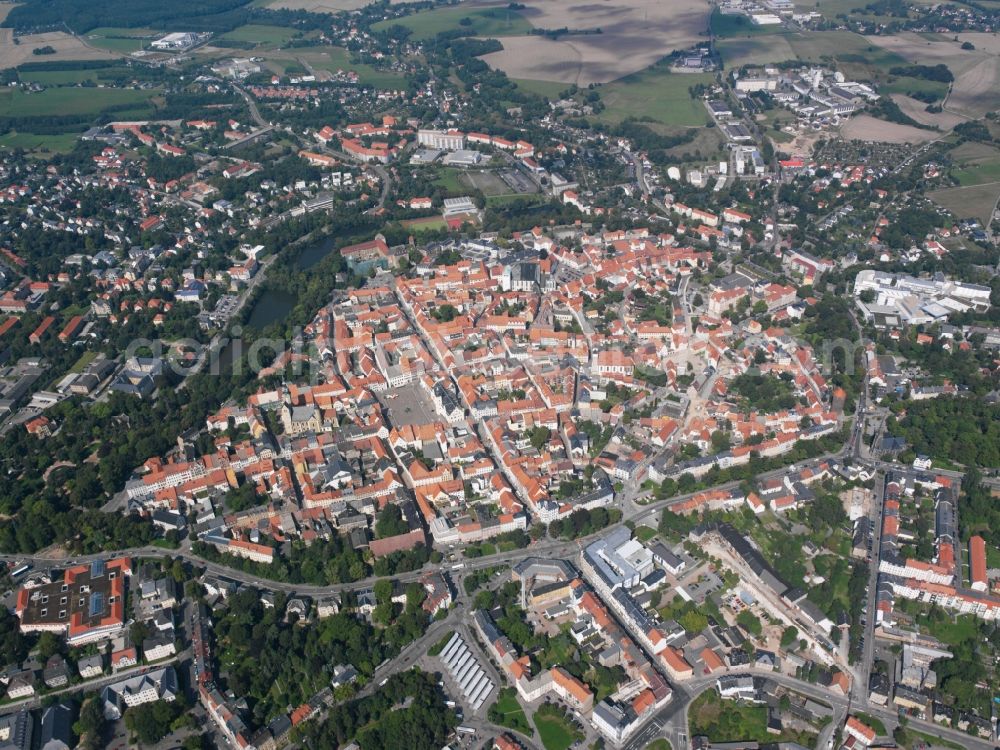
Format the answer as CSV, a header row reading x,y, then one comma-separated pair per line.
x,y
811,93
895,300
552,593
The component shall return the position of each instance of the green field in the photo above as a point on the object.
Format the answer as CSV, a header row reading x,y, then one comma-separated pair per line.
x,y
66,101
909,86
855,56
58,143
70,77
333,59
978,174
974,202
120,39
481,22
726,25
754,50
120,45
555,731
549,89
660,744
274,36
655,93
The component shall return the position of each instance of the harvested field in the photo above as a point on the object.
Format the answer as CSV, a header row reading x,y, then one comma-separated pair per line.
x,y
918,111
485,21
67,47
976,89
647,29
318,6
974,201
868,128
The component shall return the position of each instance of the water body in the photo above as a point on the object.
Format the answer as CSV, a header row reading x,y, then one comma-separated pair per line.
x,y
314,252
273,306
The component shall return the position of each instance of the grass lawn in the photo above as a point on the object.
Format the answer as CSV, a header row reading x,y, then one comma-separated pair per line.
x,y
57,143
85,359
933,740
655,93
507,712
660,744
450,179
550,89
555,731
644,533
952,633
872,721
66,101
260,34
481,22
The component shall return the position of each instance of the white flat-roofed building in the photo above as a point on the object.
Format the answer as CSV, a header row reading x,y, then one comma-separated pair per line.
x,y
444,140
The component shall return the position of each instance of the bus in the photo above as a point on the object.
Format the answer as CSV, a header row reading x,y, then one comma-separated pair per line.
x,y
20,570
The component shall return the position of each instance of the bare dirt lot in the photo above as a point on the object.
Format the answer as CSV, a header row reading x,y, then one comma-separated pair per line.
x,y
66,46
635,34
976,89
868,128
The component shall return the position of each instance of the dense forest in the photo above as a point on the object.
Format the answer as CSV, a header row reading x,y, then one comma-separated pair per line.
x,y
83,15
408,711
275,663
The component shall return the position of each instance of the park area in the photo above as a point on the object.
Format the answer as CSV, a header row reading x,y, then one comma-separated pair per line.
x,y
507,712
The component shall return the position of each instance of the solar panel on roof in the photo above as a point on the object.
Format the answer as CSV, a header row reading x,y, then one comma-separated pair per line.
x,y
96,603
